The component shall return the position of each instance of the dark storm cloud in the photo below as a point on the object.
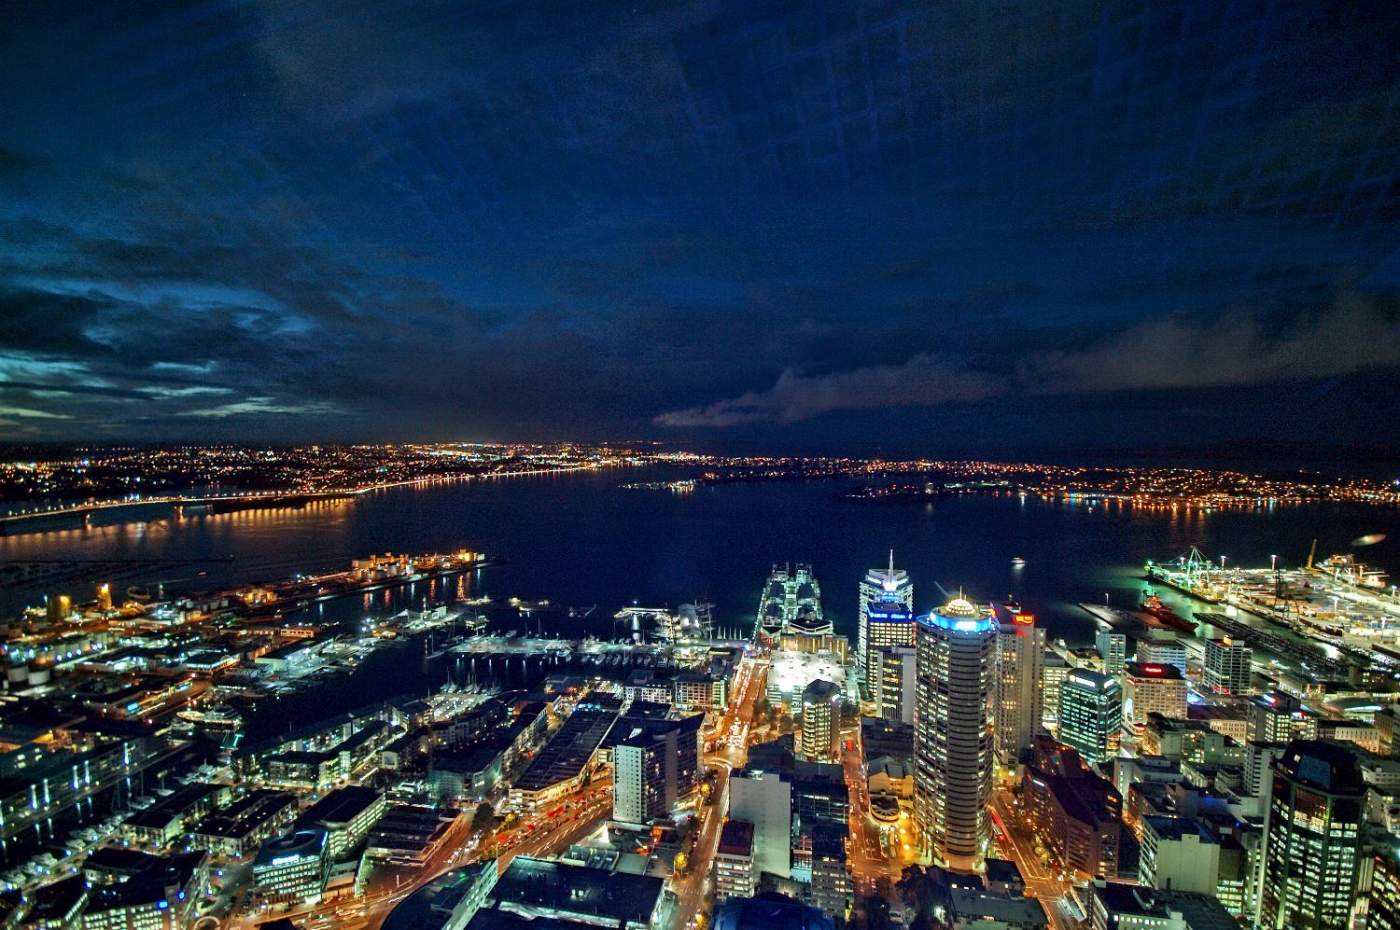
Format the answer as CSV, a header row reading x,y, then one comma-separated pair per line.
x,y
282,219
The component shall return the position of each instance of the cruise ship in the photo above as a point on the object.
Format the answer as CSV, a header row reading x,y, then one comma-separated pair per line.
x,y
791,602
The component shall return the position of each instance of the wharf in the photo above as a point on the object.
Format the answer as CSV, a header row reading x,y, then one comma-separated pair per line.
x,y
1310,655
298,595
1127,621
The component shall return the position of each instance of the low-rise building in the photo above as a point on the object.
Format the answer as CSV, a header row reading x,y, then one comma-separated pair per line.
x,y
561,764
700,691
346,815
237,830
983,909
1117,906
168,819
408,835
292,868
154,893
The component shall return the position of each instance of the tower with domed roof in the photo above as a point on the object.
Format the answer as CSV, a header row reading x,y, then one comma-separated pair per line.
x,y
953,753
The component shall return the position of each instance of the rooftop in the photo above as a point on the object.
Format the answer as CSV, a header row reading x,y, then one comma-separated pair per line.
x,y
340,806
577,890
736,839
569,751
1153,670
1327,766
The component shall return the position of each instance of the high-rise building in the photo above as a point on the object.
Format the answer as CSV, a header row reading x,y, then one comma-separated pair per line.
x,y
1019,685
1312,838
821,721
644,775
1152,687
1162,647
656,760
1053,670
1383,912
1178,854
1276,717
1091,714
886,616
1227,666
831,887
764,799
953,755
735,872
1076,812
791,600
1259,761
1113,649
892,689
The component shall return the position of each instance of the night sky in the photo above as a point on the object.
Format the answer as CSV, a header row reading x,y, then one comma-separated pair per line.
x,y
868,227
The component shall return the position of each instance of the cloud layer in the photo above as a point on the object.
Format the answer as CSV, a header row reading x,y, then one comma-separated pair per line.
x,y
1237,348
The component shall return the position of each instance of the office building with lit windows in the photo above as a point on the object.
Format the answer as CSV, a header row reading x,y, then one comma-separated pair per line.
x,y
1275,717
1148,688
1227,667
953,756
1162,647
1312,838
1020,663
1091,714
893,688
293,868
1383,909
1113,650
736,875
1076,812
1053,670
886,617
821,721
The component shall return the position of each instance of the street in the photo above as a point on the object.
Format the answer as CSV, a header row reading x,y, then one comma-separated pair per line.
x,y
1017,843
749,682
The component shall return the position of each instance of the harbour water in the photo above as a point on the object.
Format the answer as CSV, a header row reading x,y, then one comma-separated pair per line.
x,y
584,540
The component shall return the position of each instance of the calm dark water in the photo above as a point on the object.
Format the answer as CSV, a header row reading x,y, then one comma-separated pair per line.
x,y
584,540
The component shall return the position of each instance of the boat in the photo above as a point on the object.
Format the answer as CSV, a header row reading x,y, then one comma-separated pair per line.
x,y
1345,569
212,718
1152,606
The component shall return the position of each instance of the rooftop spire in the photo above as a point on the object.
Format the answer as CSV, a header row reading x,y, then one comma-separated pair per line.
x,y
891,563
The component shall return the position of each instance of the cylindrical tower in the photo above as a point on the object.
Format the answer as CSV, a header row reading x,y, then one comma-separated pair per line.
x,y
956,663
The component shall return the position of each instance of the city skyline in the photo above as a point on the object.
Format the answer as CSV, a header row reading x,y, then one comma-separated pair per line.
x,y
735,227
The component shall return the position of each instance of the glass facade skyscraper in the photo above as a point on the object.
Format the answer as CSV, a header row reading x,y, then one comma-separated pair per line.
x,y
886,618
1091,714
1312,838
